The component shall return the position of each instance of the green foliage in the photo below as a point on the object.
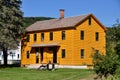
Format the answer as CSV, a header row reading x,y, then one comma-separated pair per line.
x,y
105,65
108,65
31,74
117,49
30,20
118,73
11,22
113,35
112,78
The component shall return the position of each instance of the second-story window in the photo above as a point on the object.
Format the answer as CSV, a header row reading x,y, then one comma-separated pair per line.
x,y
28,38
63,35
82,35
42,36
35,37
51,36
97,36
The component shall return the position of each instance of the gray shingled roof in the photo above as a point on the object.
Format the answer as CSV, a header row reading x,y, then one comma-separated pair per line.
x,y
56,23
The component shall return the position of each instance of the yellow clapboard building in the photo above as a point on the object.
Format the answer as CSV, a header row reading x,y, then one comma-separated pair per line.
x,y
63,41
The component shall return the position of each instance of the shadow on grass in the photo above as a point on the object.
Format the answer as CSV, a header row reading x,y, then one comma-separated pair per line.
x,y
9,65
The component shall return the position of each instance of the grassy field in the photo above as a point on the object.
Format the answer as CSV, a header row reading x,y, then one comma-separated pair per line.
x,y
30,74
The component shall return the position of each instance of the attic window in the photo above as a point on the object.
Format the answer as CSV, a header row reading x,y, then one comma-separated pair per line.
x,y
89,20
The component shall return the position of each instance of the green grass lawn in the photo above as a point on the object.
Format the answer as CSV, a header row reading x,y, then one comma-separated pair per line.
x,y
31,74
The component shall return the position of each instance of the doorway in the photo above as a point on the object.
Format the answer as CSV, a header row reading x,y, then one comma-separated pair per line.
x,y
37,55
41,54
54,54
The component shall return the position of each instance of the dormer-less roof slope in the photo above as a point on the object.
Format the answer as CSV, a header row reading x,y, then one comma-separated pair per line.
x,y
59,23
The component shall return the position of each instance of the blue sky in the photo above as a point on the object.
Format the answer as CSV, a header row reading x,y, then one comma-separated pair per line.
x,y
107,11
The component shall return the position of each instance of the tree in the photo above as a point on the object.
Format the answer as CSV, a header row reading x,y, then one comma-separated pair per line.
x,y
30,20
113,35
117,49
11,22
105,65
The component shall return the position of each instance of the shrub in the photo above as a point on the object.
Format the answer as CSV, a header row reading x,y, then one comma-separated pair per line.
x,y
105,65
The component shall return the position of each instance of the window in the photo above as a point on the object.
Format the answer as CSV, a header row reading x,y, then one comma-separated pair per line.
x,y
28,38
82,53
96,36
51,35
42,36
63,35
27,54
89,21
63,53
35,37
97,51
18,56
0,54
11,53
82,35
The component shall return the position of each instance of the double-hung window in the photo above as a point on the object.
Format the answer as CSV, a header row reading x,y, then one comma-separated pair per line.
x,y
63,35
28,38
82,35
35,37
97,36
27,54
51,36
63,53
82,54
89,21
42,36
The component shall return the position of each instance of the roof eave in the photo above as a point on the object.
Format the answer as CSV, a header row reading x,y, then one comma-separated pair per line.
x,y
53,29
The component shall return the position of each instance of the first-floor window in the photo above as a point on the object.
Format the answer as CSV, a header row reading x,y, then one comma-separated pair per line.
x,y
18,56
27,54
82,54
0,54
63,53
97,51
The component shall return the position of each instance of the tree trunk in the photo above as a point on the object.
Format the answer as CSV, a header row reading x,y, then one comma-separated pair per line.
x,y
5,56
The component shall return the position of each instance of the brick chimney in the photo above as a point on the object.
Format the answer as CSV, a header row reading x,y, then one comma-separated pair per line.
x,y
61,13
